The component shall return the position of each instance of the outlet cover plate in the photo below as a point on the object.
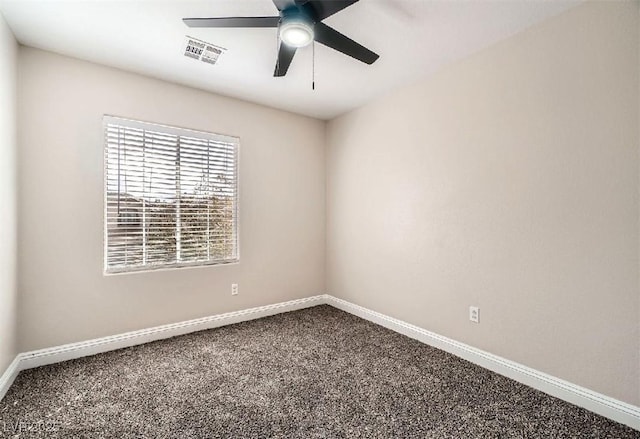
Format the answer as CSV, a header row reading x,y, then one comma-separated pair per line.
x,y
474,314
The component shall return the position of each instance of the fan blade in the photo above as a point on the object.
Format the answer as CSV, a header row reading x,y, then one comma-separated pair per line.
x,y
326,8
285,56
334,39
233,22
284,4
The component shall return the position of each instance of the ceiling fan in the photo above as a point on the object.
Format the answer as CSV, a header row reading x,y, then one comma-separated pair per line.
x,y
299,23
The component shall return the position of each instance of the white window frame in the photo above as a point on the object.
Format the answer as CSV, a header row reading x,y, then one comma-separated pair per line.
x,y
176,131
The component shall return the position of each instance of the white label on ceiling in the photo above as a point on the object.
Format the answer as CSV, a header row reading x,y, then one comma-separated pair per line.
x,y
202,51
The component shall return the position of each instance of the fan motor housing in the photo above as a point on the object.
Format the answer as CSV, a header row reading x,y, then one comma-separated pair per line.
x,y
301,13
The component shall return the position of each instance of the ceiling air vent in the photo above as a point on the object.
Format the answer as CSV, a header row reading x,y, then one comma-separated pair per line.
x,y
203,51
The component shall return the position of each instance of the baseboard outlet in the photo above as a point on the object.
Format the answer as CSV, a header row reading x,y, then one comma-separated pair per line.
x,y
601,404
9,375
43,357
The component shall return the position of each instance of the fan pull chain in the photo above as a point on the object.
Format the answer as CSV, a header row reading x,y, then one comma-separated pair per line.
x,y
313,65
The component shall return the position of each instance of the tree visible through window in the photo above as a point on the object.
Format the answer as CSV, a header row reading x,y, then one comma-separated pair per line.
x,y
171,197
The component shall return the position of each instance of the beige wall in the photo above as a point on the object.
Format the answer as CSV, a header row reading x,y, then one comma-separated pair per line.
x,y
509,181
63,295
8,146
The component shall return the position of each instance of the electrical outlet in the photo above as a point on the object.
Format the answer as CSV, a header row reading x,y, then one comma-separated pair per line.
x,y
234,289
474,314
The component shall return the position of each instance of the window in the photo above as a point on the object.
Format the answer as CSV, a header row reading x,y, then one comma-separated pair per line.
x,y
171,197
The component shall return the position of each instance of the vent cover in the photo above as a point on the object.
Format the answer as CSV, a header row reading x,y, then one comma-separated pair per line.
x,y
202,51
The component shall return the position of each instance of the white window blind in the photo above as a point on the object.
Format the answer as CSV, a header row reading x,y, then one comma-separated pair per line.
x,y
171,197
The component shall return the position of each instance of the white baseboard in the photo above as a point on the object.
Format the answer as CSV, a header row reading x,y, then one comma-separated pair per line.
x,y
601,404
9,375
57,354
71,351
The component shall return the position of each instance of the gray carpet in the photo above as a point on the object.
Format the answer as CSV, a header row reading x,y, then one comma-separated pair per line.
x,y
315,373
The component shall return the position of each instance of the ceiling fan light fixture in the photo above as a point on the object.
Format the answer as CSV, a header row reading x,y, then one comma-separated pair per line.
x,y
296,33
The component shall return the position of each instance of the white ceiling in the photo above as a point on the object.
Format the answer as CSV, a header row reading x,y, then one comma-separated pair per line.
x,y
412,37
